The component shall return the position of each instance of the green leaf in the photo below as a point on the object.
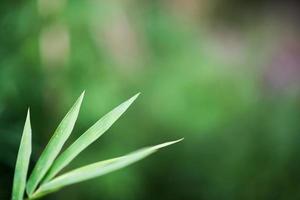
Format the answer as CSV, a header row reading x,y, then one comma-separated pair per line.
x,y
54,146
92,134
22,162
96,169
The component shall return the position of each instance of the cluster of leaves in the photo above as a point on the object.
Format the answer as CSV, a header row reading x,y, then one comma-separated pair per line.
x,y
44,180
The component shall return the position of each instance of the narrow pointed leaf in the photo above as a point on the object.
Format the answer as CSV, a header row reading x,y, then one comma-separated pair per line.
x,y
54,146
22,162
97,169
92,134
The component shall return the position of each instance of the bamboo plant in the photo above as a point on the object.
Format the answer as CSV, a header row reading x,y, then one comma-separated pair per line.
x,y
44,178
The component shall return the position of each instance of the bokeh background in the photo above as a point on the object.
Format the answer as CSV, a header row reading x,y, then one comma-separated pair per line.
x,y
223,74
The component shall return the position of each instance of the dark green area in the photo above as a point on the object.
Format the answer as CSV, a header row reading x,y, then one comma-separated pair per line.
x,y
222,74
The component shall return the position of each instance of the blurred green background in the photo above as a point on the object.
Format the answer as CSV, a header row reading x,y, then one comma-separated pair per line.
x,y
223,74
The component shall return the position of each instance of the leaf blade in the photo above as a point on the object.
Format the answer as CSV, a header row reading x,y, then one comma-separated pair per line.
x,y
97,169
87,138
22,162
54,146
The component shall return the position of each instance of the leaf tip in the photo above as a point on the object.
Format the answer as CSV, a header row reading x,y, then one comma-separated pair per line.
x,y
166,144
28,113
131,100
82,95
28,117
135,96
80,99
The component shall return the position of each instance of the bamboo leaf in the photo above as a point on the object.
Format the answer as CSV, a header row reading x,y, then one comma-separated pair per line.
x,y
22,161
54,146
92,134
96,169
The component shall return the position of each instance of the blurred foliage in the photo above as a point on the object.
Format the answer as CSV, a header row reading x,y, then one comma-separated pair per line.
x,y
223,75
